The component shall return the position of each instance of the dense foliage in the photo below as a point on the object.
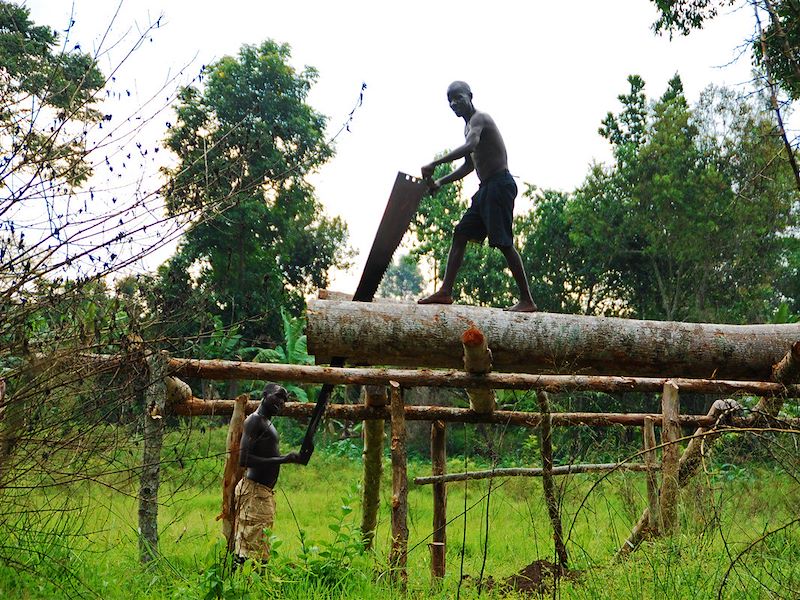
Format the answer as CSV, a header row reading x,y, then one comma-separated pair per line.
x,y
259,239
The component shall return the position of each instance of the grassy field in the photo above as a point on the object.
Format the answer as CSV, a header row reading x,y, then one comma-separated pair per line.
x,y
93,551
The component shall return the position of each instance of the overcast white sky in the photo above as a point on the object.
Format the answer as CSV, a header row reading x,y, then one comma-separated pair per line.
x,y
546,71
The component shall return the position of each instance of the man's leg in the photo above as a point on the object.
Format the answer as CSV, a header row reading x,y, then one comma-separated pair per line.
x,y
444,295
526,303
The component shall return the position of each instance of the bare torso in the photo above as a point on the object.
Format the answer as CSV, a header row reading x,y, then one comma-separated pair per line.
x,y
260,439
489,156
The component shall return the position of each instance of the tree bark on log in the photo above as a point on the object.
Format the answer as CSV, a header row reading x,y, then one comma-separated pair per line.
x,y
535,472
399,552
374,396
428,335
478,361
224,369
153,437
438,466
232,472
670,456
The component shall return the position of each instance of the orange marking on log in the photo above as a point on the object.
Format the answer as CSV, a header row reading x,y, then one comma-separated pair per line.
x,y
472,337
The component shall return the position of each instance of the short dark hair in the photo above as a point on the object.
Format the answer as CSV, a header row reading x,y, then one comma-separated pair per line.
x,y
462,85
272,389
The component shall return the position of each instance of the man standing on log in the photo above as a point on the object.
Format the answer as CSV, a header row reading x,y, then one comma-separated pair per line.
x,y
260,454
492,206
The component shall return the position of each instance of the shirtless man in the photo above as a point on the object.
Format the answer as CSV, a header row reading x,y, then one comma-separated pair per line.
x,y
260,454
493,204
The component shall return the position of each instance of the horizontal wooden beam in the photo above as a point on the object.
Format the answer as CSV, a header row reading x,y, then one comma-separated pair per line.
x,y
359,412
535,472
429,336
226,370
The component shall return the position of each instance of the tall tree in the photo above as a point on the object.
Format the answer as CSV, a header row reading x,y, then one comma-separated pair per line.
x,y
689,220
246,141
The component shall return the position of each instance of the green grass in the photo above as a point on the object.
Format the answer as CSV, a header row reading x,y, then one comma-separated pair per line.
x,y
94,552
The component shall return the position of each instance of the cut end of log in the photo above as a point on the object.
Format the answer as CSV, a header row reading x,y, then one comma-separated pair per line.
x,y
472,337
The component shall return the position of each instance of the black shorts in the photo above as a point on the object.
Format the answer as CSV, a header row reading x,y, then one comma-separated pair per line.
x,y
491,212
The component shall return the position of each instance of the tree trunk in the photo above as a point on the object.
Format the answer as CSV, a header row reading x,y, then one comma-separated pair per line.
x,y
429,336
149,480
232,472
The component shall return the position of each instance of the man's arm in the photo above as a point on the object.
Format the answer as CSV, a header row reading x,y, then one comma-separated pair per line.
x,y
247,459
464,151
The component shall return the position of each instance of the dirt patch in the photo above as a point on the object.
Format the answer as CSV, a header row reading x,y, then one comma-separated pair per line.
x,y
536,579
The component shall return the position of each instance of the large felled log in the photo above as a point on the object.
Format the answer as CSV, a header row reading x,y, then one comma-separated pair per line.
x,y
429,336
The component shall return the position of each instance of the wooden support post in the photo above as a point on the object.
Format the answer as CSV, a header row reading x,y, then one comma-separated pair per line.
x,y
232,472
650,459
547,479
438,467
398,554
374,396
155,395
478,361
670,456
690,461
786,371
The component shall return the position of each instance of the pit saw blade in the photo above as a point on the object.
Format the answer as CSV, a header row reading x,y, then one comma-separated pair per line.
x,y
404,200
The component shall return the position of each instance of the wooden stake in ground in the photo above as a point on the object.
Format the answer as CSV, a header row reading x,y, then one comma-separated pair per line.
x,y
232,472
154,400
690,461
547,479
478,361
650,459
374,396
438,466
398,553
670,455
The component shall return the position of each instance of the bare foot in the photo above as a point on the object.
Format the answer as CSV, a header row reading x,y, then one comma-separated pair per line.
x,y
437,298
523,306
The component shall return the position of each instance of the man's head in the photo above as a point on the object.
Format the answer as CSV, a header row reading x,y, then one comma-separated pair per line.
x,y
459,95
273,399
